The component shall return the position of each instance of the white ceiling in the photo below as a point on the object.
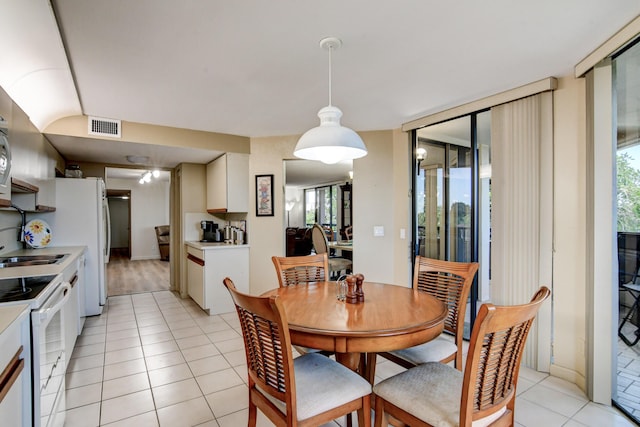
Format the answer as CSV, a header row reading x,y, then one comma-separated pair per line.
x,y
255,68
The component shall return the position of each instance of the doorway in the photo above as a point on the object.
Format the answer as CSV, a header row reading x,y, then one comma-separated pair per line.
x,y
120,212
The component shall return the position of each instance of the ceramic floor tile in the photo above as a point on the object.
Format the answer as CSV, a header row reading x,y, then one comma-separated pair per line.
x,y
193,341
223,336
88,350
95,321
169,374
187,323
123,343
177,392
83,416
156,338
211,423
125,385
84,395
148,419
96,330
530,414
159,348
200,352
121,317
113,327
153,329
164,360
216,381
189,413
81,378
554,400
594,415
123,355
213,327
124,369
230,345
118,335
236,358
149,316
187,332
208,365
563,386
91,339
87,362
227,401
126,406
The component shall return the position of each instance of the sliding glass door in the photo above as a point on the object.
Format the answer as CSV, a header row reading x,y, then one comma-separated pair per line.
x,y
452,218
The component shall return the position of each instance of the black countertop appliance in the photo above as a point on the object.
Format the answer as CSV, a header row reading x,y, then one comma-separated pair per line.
x,y
210,231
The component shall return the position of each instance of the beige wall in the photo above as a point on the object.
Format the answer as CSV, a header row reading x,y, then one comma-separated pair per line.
x,y
569,282
33,160
380,197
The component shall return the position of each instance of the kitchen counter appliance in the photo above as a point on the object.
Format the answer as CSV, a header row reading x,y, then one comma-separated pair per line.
x,y
46,296
210,232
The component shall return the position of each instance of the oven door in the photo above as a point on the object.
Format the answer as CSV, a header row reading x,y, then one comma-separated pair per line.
x,y
49,358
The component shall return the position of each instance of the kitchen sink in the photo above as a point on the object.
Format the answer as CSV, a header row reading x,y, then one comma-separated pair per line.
x,y
26,260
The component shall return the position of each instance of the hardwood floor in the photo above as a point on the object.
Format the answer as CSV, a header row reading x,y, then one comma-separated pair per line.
x,y
126,277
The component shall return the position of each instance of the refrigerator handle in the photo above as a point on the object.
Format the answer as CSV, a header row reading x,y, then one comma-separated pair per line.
x,y
107,216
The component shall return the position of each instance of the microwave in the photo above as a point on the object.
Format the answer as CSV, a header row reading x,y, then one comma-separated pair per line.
x,y
5,154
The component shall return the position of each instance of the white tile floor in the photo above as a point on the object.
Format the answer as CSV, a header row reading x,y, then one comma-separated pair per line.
x,y
154,359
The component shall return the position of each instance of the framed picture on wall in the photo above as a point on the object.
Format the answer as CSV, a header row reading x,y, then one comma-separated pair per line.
x,y
264,195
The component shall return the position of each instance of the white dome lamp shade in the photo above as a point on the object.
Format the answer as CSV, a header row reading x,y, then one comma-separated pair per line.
x,y
330,142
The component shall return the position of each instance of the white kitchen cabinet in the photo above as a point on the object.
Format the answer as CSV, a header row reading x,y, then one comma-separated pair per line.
x,y
15,362
207,266
195,275
228,184
73,317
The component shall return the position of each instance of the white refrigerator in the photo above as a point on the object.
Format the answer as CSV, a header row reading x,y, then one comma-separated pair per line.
x,y
82,218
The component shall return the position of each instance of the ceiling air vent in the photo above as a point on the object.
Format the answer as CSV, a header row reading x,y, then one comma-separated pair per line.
x,y
104,127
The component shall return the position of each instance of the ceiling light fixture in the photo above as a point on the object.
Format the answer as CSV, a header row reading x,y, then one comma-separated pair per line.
x,y
330,142
138,160
146,176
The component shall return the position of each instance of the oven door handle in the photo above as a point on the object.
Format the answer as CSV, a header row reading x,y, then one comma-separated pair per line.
x,y
53,304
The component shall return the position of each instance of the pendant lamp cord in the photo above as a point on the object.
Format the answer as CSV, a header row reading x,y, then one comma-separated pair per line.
x,y
330,51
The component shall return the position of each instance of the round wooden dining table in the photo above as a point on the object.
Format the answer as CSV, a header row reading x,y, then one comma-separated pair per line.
x,y
390,318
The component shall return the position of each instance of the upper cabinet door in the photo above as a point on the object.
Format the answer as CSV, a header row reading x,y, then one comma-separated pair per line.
x,y
228,184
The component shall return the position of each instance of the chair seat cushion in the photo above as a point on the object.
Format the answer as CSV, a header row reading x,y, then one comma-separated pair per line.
x,y
432,351
339,264
431,392
322,384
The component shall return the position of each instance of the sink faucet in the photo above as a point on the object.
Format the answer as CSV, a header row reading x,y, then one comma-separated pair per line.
x,y
23,222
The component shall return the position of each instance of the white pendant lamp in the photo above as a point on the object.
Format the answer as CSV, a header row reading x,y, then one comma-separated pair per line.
x,y
330,142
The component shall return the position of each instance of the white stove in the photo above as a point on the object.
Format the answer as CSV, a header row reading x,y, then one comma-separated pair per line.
x,y
46,296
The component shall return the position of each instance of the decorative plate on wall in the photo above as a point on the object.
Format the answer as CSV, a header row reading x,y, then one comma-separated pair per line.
x,y
37,233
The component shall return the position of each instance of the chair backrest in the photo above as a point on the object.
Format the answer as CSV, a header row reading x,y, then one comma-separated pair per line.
x,y
348,232
319,238
295,270
450,282
267,345
493,362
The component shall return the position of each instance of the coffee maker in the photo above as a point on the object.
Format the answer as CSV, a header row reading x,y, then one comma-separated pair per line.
x,y
209,231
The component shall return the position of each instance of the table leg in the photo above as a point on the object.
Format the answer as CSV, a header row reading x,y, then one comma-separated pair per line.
x,y
350,360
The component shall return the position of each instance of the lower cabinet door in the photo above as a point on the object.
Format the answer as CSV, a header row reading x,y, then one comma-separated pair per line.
x,y
195,280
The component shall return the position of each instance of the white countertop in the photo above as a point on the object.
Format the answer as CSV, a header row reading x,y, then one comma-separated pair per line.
x,y
41,270
204,246
10,313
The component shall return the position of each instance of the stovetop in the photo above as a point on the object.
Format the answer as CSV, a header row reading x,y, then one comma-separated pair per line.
x,y
23,288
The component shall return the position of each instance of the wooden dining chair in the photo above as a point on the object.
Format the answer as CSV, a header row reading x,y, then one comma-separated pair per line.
x,y
302,270
296,270
450,282
435,394
337,265
309,390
